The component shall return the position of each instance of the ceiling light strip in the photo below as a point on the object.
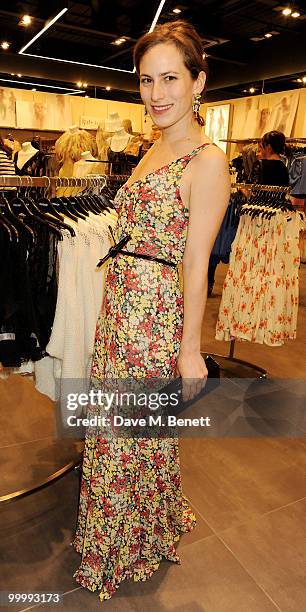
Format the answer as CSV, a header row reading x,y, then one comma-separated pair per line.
x,y
157,14
41,85
46,27
154,22
56,59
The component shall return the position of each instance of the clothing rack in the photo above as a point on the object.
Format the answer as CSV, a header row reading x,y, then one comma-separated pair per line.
x,y
230,357
257,187
47,185
51,184
53,181
255,140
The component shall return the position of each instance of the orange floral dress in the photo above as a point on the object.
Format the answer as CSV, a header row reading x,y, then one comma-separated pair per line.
x,y
261,289
132,510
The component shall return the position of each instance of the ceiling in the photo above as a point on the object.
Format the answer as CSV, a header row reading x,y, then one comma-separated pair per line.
x,y
233,34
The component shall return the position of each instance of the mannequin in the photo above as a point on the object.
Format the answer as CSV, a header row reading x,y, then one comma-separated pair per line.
x,y
24,155
119,141
29,161
121,137
70,146
88,164
87,156
117,145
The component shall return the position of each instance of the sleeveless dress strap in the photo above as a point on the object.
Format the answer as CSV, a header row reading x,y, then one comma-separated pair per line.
x,y
187,158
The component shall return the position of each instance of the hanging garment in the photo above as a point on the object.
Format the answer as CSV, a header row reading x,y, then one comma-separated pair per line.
x,y
260,291
28,294
6,164
223,243
132,510
297,176
35,166
80,290
270,172
119,162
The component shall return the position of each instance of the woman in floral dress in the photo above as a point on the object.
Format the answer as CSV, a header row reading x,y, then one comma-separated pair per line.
x,y
132,510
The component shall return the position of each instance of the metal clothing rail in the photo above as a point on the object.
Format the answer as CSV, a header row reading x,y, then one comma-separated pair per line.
x,y
54,181
257,187
256,140
51,184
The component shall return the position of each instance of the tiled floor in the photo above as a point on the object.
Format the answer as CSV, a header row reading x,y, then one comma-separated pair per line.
x,y
248,551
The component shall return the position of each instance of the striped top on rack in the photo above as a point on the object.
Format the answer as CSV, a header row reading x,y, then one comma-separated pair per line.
x,y
6,164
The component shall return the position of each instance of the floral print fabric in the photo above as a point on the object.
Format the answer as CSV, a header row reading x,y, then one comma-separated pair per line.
x,y
132,510
261,289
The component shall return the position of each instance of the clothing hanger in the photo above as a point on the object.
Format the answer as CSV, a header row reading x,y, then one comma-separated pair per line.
x,y
64,203
55,222
9,230
9,215
89,198
29,211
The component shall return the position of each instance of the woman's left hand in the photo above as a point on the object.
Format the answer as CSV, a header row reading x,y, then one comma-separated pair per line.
x,y
192,369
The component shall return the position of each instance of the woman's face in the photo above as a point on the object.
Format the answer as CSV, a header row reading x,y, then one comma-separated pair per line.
x,y
166,85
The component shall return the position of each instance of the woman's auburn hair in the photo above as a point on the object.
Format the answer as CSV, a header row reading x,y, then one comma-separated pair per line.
x,y
181,34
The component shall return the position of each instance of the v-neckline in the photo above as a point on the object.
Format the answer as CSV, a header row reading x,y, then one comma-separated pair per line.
x,y
157,170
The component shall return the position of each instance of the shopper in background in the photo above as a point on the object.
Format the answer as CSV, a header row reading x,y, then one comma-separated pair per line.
x,y
269,168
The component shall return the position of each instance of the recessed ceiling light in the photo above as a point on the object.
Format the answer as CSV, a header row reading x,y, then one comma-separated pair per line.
x,y
119,41
268,35
5,45
107,88
287,11
296,14
26,20
177,11
252,90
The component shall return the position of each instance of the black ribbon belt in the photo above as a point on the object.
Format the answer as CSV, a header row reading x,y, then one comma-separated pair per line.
x,y
118,248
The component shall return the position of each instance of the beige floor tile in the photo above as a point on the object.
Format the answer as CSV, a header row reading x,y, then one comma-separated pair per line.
x,y
273,550
209,579
26,465
231,481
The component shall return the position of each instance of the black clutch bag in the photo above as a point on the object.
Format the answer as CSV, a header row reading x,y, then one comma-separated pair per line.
x,y
176,387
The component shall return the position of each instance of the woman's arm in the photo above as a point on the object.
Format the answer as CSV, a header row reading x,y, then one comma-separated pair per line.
x,y
209,197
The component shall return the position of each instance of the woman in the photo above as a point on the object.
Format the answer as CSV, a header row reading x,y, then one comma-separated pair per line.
x,y
132,510
270,169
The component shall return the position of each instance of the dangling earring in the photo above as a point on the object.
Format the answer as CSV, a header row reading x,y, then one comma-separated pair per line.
x,y
145,114
196,104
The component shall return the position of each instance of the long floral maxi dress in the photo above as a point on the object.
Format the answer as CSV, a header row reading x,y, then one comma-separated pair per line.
x,y
132,510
